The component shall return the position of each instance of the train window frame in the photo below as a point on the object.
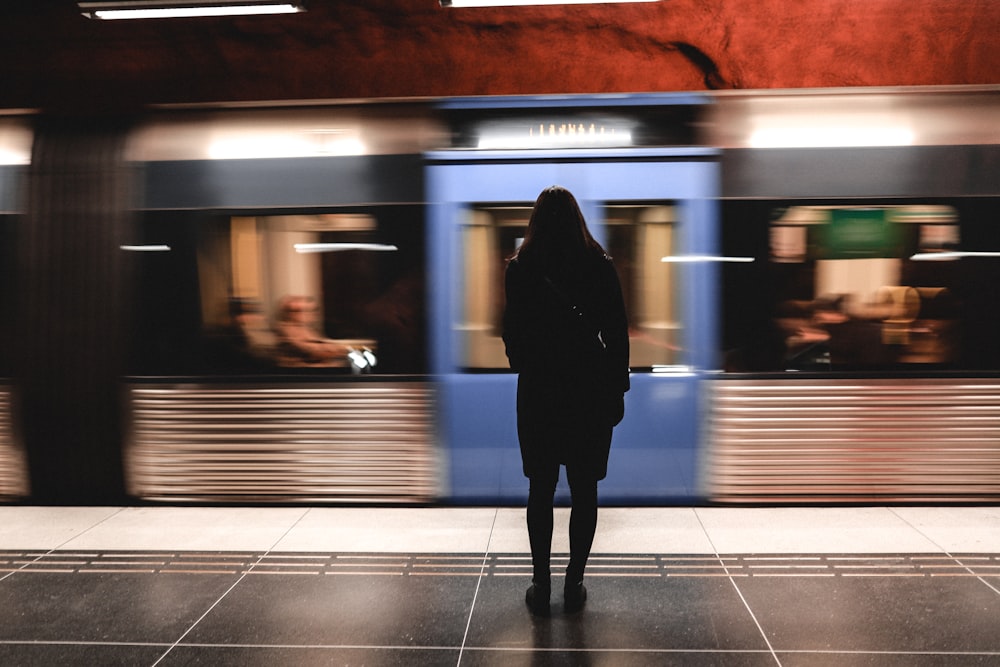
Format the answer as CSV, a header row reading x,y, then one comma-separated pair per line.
x,y
956,316
653,324
480,298
201,341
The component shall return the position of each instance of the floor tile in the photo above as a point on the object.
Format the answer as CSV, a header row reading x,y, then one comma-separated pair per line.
x,y
625,658
307,656
811,530
875,613
620,530
956,529
679,614
510,531
644,530
47,527
190,528
106,655
341,610
886,659
97,607
410,530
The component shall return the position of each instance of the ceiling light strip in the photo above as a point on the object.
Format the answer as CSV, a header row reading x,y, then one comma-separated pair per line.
x,y
526,3
147,12
340,247
692,259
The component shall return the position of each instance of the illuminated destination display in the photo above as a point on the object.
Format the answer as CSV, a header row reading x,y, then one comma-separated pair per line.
x,y
551,133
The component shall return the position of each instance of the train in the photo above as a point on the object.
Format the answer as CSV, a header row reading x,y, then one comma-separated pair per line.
x,y
302,303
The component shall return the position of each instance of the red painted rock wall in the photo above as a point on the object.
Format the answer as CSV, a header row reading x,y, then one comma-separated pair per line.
x,y
51,57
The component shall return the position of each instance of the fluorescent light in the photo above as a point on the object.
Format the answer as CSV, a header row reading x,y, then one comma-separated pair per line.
x,y
703,258
13,157
673,369
521,3
339,247
146,248
949,255
830,136
319,143
498,141
190,9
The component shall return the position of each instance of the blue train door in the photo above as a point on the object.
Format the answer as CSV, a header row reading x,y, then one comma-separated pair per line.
x,y
655,212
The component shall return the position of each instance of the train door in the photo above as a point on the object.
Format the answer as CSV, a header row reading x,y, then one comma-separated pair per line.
x,y
654,211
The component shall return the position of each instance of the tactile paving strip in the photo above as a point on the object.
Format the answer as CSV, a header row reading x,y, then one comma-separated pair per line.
x,y
600,565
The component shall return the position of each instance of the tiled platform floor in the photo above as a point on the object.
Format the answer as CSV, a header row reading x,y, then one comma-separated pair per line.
x,y
444,586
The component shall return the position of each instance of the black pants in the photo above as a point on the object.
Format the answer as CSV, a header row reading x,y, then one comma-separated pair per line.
x,y
582,522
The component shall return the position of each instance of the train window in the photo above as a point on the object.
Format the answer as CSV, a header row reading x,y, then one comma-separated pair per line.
x,y
332,292
860,287
638,236
490,235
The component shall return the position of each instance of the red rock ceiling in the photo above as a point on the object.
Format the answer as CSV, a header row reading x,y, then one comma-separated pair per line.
x,y
51,57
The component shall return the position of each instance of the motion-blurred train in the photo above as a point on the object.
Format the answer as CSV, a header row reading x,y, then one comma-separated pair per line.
x,y
302,303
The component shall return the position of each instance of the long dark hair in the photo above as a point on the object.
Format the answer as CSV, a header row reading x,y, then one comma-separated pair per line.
x,y
557,232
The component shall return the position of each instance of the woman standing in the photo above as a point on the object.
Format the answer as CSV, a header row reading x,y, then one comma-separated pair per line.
x,y
566,335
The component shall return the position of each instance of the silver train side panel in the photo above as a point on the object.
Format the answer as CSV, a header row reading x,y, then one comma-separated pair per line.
x,y
344,442
844,440
13,467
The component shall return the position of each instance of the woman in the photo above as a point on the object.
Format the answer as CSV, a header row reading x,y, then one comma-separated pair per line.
x,y
566,335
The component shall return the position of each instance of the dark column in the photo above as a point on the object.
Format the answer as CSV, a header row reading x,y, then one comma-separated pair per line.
x,y
68,331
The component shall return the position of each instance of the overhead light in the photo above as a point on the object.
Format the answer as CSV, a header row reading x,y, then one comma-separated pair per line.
x,y
14,157
157,247
687,259
340,247
265,143
154,9
831,136
949,255
524,3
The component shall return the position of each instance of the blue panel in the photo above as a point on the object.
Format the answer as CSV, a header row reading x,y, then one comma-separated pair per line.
x,y
479,423
567,101
701,315
655,449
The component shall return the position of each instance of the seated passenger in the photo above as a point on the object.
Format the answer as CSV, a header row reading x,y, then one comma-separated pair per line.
x,y
255,339
300,342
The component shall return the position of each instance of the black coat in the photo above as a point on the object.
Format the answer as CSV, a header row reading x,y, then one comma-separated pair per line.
x,y
571,380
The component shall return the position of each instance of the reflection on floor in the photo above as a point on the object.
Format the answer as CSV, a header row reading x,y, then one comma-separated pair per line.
x,y
444,586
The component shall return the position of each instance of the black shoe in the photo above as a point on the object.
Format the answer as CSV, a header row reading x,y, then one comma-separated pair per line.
x,y
574,597
537,598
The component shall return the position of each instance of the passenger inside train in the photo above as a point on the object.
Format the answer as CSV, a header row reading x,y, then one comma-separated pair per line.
x,y
254,340
861,288
300,341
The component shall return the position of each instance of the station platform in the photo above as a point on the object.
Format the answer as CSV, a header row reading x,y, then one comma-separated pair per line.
x,y
785,586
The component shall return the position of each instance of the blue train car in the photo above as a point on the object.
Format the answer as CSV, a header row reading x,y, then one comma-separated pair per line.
x,y
650,206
